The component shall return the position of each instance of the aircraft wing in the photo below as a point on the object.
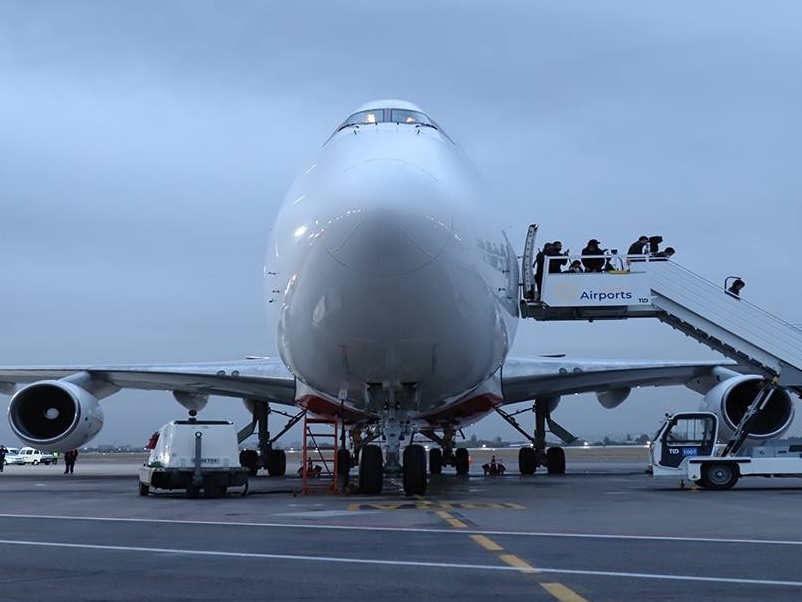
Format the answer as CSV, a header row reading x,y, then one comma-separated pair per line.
x,y
263,378
528,379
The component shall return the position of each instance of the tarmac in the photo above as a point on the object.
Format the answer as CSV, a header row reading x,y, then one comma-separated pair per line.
x,y
604,531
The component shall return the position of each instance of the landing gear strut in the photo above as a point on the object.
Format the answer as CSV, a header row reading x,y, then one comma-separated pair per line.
x,y
529,458
274,460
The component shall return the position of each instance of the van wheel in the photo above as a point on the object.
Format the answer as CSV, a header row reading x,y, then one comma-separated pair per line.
x,y
35,462
193,491
143,489
719,475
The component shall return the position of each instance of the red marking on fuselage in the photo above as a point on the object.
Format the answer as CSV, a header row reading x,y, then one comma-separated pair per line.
x,y
466,410
325,408
469,409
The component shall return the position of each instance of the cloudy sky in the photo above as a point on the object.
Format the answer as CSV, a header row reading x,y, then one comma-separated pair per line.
x,y
144,148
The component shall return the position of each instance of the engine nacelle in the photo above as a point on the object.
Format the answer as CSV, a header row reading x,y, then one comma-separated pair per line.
x,y
55,415
612,398
731,399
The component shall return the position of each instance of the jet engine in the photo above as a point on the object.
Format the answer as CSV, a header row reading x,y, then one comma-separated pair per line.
x,y
55,415
731,399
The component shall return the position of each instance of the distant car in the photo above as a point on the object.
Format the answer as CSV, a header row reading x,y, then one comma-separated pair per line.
x,y
11,455
29,455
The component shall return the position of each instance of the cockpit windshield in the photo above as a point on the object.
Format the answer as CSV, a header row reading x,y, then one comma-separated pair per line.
x,y
372,116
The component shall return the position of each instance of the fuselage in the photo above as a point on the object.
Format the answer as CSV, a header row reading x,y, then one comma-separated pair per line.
x,y
388,265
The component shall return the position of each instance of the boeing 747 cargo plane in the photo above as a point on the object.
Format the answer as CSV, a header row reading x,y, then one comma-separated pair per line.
x,y
393,293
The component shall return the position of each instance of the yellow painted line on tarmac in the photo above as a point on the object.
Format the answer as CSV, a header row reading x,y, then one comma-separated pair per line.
x,y
518,563
454,522
562,593
486,543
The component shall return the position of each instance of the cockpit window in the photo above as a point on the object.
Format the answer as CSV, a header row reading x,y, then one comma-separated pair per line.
x,y
373,116
406,116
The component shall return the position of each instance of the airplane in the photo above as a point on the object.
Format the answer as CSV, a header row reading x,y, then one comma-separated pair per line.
x,y
393,300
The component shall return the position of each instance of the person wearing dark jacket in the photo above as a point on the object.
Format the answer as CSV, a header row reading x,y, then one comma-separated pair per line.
x,y
663,255
735,288
540,261
639,247
556,258
593,264
69,461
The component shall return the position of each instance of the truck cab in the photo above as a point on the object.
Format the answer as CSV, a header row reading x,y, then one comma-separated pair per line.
x,y
683,436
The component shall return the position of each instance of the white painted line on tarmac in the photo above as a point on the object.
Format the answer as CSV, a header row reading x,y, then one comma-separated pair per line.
x,y
303,558
772,542
422,564
326,513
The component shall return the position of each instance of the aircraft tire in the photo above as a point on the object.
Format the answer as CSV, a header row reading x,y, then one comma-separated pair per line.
x,y
414,470
343,468
462,461
435,460
276,463
371,470
555,460
343,462
527,460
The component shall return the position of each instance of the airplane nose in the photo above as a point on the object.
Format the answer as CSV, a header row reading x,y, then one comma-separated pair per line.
x,y
393,218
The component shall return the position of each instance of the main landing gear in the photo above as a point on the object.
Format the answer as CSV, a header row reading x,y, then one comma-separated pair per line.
x,y
273,460
445,454
529,458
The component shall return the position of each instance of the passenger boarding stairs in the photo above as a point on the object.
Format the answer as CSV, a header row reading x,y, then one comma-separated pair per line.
x,y
673,294
732,326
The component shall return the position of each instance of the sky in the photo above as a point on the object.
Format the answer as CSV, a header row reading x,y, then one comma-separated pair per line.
x,y
145,148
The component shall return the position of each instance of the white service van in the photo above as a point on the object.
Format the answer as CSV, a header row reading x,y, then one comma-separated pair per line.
x,y
29,455
193,455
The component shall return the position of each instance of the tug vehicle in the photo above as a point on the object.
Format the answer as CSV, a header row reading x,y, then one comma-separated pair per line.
x,y
193,455
686,448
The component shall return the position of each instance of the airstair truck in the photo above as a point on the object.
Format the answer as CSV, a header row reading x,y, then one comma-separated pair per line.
x,y
193,455
686,448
